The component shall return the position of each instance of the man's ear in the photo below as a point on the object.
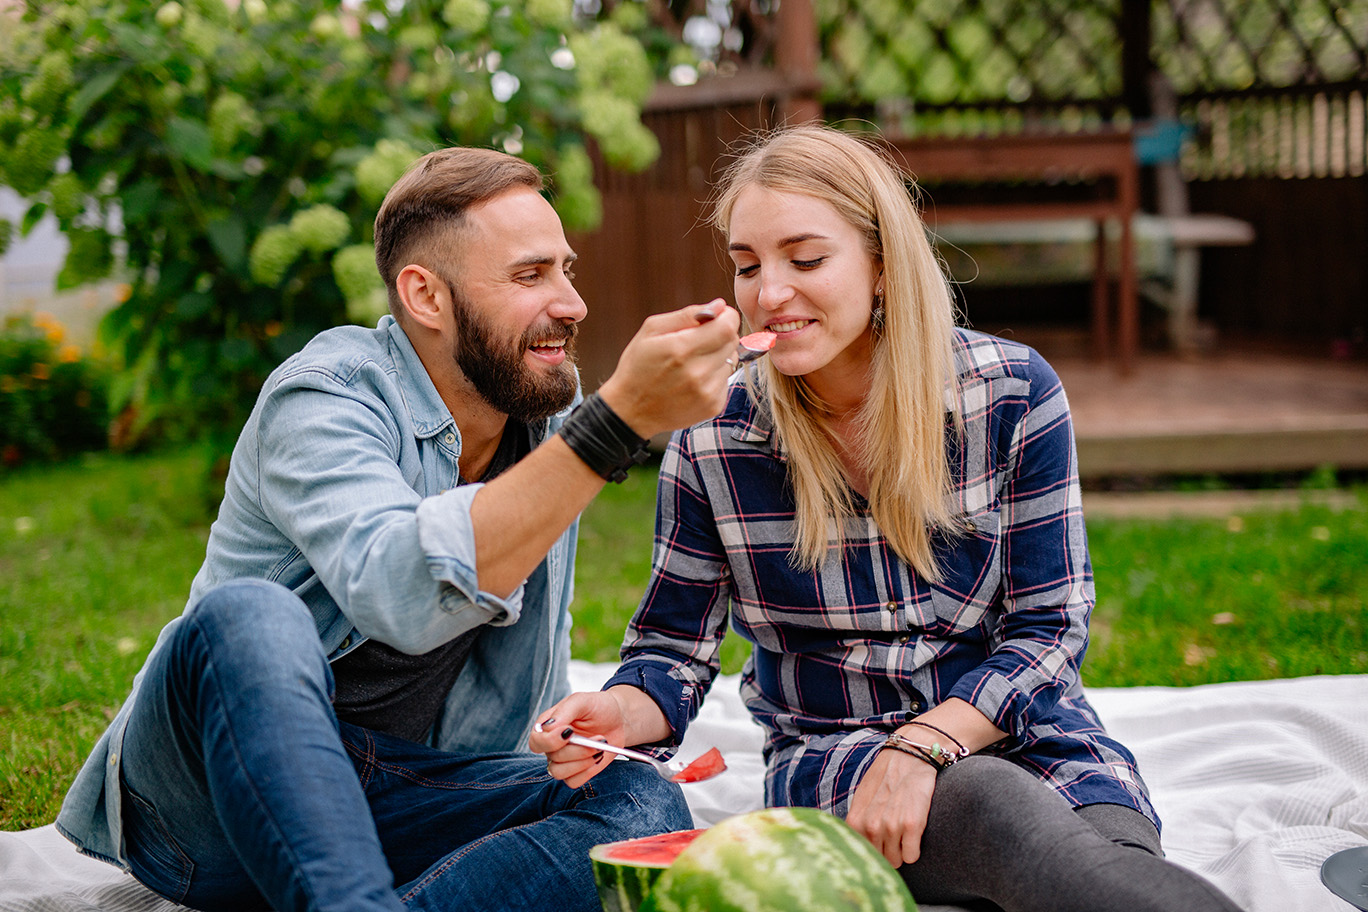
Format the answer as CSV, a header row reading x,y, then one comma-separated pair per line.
x,y
423,295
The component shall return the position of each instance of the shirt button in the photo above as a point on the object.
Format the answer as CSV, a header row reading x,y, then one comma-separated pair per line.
x,y
449,437
345,643
113,759
914,706
904,639
892,606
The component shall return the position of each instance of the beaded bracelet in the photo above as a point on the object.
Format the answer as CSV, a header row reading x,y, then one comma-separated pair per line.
x,y
961,751
596,434
911,748
934,753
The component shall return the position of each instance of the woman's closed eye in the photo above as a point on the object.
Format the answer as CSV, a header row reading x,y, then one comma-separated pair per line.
x,y
746,272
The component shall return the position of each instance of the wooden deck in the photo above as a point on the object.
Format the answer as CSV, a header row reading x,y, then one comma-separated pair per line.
x,y
1237,410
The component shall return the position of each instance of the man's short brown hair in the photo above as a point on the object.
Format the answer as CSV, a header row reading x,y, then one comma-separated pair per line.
x,y
431,200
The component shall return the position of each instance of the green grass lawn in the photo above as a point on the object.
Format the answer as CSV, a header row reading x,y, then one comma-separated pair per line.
x,y
97,554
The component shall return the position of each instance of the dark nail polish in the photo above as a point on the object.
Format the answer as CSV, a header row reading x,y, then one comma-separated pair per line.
x,y
567,733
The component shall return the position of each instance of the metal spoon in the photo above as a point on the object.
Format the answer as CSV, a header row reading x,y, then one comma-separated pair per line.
x,y
754,345
699,769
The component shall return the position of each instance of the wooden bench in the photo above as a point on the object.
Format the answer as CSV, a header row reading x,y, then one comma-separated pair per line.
x,y
1105,166
1032,253
1103,160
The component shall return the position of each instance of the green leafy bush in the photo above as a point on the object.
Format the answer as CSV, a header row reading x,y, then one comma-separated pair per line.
x,y
53,399
220,157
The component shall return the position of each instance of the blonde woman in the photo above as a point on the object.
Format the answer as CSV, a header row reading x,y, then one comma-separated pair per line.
x,y
888,509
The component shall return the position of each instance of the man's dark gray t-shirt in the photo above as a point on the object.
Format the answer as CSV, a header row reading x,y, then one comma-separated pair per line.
x,y
385,690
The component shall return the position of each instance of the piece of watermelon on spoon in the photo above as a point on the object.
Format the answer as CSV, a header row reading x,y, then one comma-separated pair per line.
x,y
754,345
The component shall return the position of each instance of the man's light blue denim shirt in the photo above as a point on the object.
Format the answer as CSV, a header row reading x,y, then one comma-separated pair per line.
x,y
343,487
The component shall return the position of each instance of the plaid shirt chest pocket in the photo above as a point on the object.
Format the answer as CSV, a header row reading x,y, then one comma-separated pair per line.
x,y
971,574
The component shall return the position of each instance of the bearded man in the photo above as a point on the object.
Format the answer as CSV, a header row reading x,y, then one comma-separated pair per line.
x,y
335,721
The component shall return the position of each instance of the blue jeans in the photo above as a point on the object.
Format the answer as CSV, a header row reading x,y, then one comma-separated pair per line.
x,y
242,790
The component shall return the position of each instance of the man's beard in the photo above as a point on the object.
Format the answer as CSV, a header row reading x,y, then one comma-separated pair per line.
x,y
500,375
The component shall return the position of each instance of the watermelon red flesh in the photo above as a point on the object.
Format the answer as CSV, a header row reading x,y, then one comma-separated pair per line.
x,y
754,345
759,341
705,767
625,871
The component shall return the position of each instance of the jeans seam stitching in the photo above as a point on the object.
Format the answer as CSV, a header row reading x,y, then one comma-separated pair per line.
x,y
186,871
414,777
232,739
454,857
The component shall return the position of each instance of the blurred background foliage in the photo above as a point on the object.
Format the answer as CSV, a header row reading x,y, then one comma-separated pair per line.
x,y
53,396
226,159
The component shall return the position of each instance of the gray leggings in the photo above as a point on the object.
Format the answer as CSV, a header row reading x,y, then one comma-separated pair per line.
x,y
998,838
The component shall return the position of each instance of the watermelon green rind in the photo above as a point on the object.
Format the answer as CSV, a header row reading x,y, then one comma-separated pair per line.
x,y
625,871
623,889
778,860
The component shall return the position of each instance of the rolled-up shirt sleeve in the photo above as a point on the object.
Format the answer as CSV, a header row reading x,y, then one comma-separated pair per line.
x,y
671,649
1047,586
400,566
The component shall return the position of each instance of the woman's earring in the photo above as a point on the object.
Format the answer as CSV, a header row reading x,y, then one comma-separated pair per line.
x,y
876,316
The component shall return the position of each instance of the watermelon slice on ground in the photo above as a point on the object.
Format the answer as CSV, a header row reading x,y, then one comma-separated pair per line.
x,y
625,871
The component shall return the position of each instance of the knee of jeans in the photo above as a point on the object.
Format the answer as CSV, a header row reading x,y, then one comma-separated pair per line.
x,y
255,617
251,604
658,805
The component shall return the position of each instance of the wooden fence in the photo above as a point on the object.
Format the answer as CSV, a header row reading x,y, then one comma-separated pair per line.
x,y
1276,93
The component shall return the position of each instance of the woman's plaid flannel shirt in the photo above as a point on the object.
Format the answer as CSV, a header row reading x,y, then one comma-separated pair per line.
x,y
844,654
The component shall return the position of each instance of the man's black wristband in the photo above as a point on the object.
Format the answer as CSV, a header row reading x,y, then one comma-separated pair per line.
x,y
603,440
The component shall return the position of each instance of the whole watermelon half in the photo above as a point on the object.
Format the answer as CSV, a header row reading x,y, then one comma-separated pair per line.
x,y
625,871
780,860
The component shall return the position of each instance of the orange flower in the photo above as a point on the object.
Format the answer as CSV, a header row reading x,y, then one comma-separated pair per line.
x,y
69,354
273,329
8,384
40,371
50,326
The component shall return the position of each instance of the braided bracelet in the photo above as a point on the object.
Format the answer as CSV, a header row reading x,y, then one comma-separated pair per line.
x,y
596,434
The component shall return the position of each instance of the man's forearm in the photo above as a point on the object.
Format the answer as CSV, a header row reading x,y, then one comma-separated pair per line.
x,y
671,375
519,515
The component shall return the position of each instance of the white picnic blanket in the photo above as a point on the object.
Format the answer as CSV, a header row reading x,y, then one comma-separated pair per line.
x,y
1257,784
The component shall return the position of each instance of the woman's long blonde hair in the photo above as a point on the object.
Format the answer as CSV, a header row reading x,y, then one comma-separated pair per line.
x,y
901,426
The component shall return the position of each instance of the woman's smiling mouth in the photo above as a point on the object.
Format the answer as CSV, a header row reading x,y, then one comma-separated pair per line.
x,y
788,326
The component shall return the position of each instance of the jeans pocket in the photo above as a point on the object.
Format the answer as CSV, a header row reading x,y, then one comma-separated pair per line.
x,y
155,857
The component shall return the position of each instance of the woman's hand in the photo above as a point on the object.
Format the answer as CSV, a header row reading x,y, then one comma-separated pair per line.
x,y
890,805
623,716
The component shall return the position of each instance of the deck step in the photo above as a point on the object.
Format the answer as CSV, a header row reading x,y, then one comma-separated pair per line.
x,y
1342,444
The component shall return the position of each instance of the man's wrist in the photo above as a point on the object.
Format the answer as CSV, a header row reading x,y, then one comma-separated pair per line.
x,y
602,440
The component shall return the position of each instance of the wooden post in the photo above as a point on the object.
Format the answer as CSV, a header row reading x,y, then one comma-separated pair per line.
x,y
795,56
1135,57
